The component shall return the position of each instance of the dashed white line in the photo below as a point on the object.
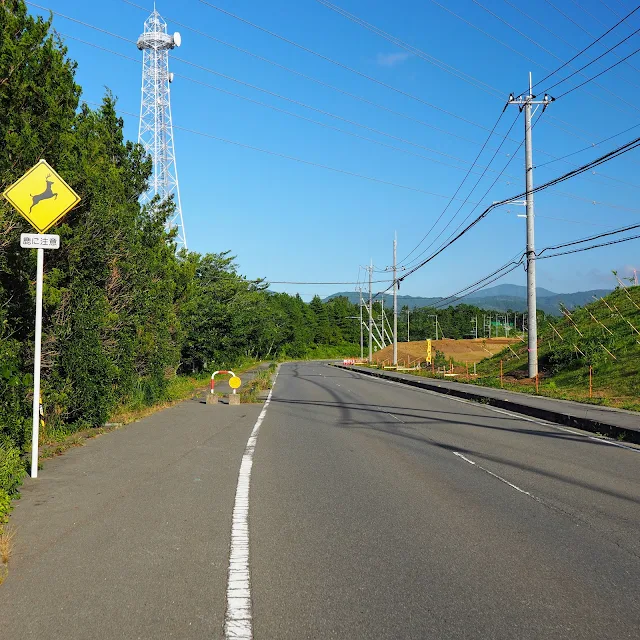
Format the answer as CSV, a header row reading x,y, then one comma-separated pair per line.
x,y
238,621
495,475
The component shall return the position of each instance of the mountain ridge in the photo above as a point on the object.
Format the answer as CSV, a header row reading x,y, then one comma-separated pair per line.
x,y
503,297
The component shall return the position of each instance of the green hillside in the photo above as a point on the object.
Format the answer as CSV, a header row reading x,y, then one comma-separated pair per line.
x,y
604,335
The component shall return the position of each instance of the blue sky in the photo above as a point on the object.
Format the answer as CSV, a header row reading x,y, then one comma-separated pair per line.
x,y
289,221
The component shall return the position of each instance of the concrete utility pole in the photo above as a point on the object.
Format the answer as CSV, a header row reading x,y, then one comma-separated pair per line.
x,y
436,317
395,302
408,323
524,104
370,314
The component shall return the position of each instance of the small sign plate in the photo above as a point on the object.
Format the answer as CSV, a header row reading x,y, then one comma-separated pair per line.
x,y
39,241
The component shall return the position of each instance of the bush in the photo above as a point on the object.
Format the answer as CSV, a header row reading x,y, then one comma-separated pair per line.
x,y
5,507
12,471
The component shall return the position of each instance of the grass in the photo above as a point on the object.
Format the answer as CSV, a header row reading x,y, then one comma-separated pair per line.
x,y
179,388
604,334
260,382
6,547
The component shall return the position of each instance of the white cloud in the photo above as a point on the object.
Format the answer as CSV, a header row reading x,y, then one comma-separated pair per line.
x,y
392,59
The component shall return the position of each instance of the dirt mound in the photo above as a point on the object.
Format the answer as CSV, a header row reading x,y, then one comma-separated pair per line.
x,y
460,350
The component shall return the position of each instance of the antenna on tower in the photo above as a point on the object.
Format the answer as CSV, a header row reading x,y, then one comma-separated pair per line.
x,y
156,127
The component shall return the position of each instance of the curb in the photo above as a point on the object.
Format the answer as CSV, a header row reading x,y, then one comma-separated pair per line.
x,y
568,420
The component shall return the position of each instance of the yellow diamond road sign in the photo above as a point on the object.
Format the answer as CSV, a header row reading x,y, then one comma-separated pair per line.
x,y
42,196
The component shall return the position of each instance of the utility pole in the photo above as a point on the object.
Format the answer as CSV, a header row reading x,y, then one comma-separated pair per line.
x,y
436,317
525,103
395,302
361,332
370,314
408,323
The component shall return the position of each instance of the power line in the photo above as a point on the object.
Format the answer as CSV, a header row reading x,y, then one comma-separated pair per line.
x,y
478,84
564,15
522,55
595,144
595,246
317,283
466,200
476,204
633,144
585,49
461,185
524,35
307,119
456,72
483,281
513,264
598,74
609,50
311,78
321,124
555,35
295,159
265,90
597,236
342,66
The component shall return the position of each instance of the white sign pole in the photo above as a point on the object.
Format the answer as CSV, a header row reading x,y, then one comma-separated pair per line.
x,y
36,367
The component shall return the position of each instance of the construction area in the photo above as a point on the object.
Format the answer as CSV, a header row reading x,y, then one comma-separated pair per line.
x,y
460,351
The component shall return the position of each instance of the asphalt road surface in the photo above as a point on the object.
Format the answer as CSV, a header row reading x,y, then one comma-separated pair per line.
x,y
375,511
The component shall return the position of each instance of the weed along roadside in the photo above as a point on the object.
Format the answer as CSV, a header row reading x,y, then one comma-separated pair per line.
x,y
55,442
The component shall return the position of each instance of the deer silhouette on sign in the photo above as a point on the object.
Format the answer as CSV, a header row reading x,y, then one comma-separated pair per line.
x,y
45,195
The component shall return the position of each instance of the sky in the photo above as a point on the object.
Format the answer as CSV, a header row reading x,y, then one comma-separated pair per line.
x,y
388,157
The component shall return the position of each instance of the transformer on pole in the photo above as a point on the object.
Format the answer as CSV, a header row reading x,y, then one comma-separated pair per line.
x,y
156,127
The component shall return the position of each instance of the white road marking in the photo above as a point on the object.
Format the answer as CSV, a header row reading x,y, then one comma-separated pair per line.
x,y
517,416
238,623
457,453
495,475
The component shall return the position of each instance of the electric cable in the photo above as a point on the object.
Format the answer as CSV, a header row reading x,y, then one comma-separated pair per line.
x,y
85,24
343,66
513,264
462,184
570,19
566,93
633,144
558,37
519,53
476,204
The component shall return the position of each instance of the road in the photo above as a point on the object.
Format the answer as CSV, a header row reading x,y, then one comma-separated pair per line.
x,y
375,511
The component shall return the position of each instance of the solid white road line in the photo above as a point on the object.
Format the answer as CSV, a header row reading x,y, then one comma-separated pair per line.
x,y
238,623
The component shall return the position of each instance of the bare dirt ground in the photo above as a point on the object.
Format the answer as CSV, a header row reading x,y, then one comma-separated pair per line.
x,y
460,350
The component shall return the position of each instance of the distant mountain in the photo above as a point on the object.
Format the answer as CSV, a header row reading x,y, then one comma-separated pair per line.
x,y
403,301
510,291
504,297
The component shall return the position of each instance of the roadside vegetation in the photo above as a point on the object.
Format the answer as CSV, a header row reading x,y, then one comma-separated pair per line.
x,y
128,324
597,345
603,335
262,381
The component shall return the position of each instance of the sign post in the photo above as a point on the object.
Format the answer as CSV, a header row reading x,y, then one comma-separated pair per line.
x,y
37,356
42,189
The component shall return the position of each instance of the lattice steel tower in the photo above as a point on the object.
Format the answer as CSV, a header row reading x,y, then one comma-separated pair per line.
x,y
156,128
